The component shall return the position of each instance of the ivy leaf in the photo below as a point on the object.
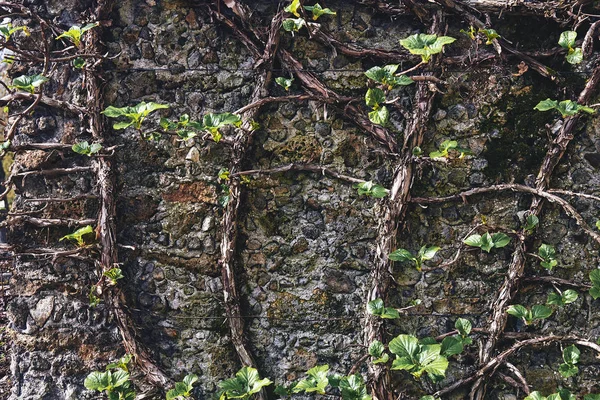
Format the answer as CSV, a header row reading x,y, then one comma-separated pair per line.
x,y
246,383
539,311
518,311
372,189
381,360
135,115
285,83
353,388
429,397
571,354
473,240
427,253
385,76
451,346
404,346
463,326
376,349
567,370
86,149
293,24
500,240
575,56
374,97
531,222
97,381
595,277
75,33
113,275
490,35
567,39
317,11
29,83
591,396
78,63
401,255
487,243
317,381
77,236
379,116
546,105
375,307
535,396
8,29
567,297
390,313
293,8
425,45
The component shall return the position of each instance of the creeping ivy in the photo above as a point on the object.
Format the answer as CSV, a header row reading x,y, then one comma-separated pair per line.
x,y
183,389
293,8
371,189
426,45
353,388
28,83
386,76
316,382
446,146
531,222
293,24
86,149
487,242
245,383
318,11
135,115
567,41
115,381
560,395
7,30
75,33
113,275
547,253
377,351
567,108
595,278
537,312
561,299
213,122
570,357
78,235
425,253
376,307
285,83
418,357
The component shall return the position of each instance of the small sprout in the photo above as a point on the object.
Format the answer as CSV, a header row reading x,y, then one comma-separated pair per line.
x,y
418,357
531,222
116,384
75,33
183,390
113,275
7,30
548,254
426,45
446,146
425,253
567,41
29,83
316,382
567,108
317,11
4,146
563,394
135,115
377,351
78,63
595,278
451,345
293,8
561,299
471,33
246,383
372,189
386,76
254,125
416,151
224,174
376,307
571,358
184,127
121,363
86,149
93,298
464,327
77,236
486,241
213,122
598,224
490,35
374,97
293,24
537,312
352,387
285,83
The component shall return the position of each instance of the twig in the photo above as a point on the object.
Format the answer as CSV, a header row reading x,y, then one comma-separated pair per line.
x,y
519,376
556,281
52,172
59,200
588,41
64,105
46,222
300,167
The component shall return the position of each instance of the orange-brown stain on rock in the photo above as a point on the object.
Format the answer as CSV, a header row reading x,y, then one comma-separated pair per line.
x,y
194,192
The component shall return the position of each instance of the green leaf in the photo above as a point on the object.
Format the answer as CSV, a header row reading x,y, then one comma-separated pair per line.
x,y
381,360
316,382
374,97
500,240
113,275
535,396
547,252
473,240
567,39
546,105
77,236
403,363
571,354
425,45
595,292
463,326
518,311
427,253
353,388
246,383
78,63
29,83
567,297
404,346
575,56
293,8
595,277
549,264
285,83
487,242
293,24
490,35
372,189
429,397
317,11
401,255
451,346
121,363
7,30
385,75
75,33
567,370
539,311
379,116
376,349
375,307
531,222
135,115
591,397
390,313
86,149
97,381
118,378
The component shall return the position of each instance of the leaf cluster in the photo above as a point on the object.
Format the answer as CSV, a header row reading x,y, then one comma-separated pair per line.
x,y
547,253
376,307
86,149
537,312
134,115
567,41
371,189
115,381
426,45
487,242
570,357
375,97
78,235
245,383
28,83
445,147
75,33
425,253
183,389
567,108
419,357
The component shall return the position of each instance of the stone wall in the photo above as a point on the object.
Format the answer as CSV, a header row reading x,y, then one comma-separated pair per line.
x,y
307,242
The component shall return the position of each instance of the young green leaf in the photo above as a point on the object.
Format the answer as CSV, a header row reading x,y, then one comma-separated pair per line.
x,y
379,116
473,240
135,115
213,122
371,189
353,388
285,83
575,56
375,307
487,243
317,11
29,83
77,236
316,382
518,311
567,108
429,397
374,97
385,76
531,222
463,326
182,390
567,39
500,240
246,383
451,346
293,24
560,299
75,33
427,253
548,255
78,63
293,8
539,311
546,105
86,149
121,363
7,30
490,35
401,255
376,349
535,396
426,45
113,275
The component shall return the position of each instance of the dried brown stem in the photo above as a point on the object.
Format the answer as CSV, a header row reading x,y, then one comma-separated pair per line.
x,y
300,167
46,222
63,105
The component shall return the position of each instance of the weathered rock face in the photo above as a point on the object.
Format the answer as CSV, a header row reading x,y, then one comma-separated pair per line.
x,y
307,241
